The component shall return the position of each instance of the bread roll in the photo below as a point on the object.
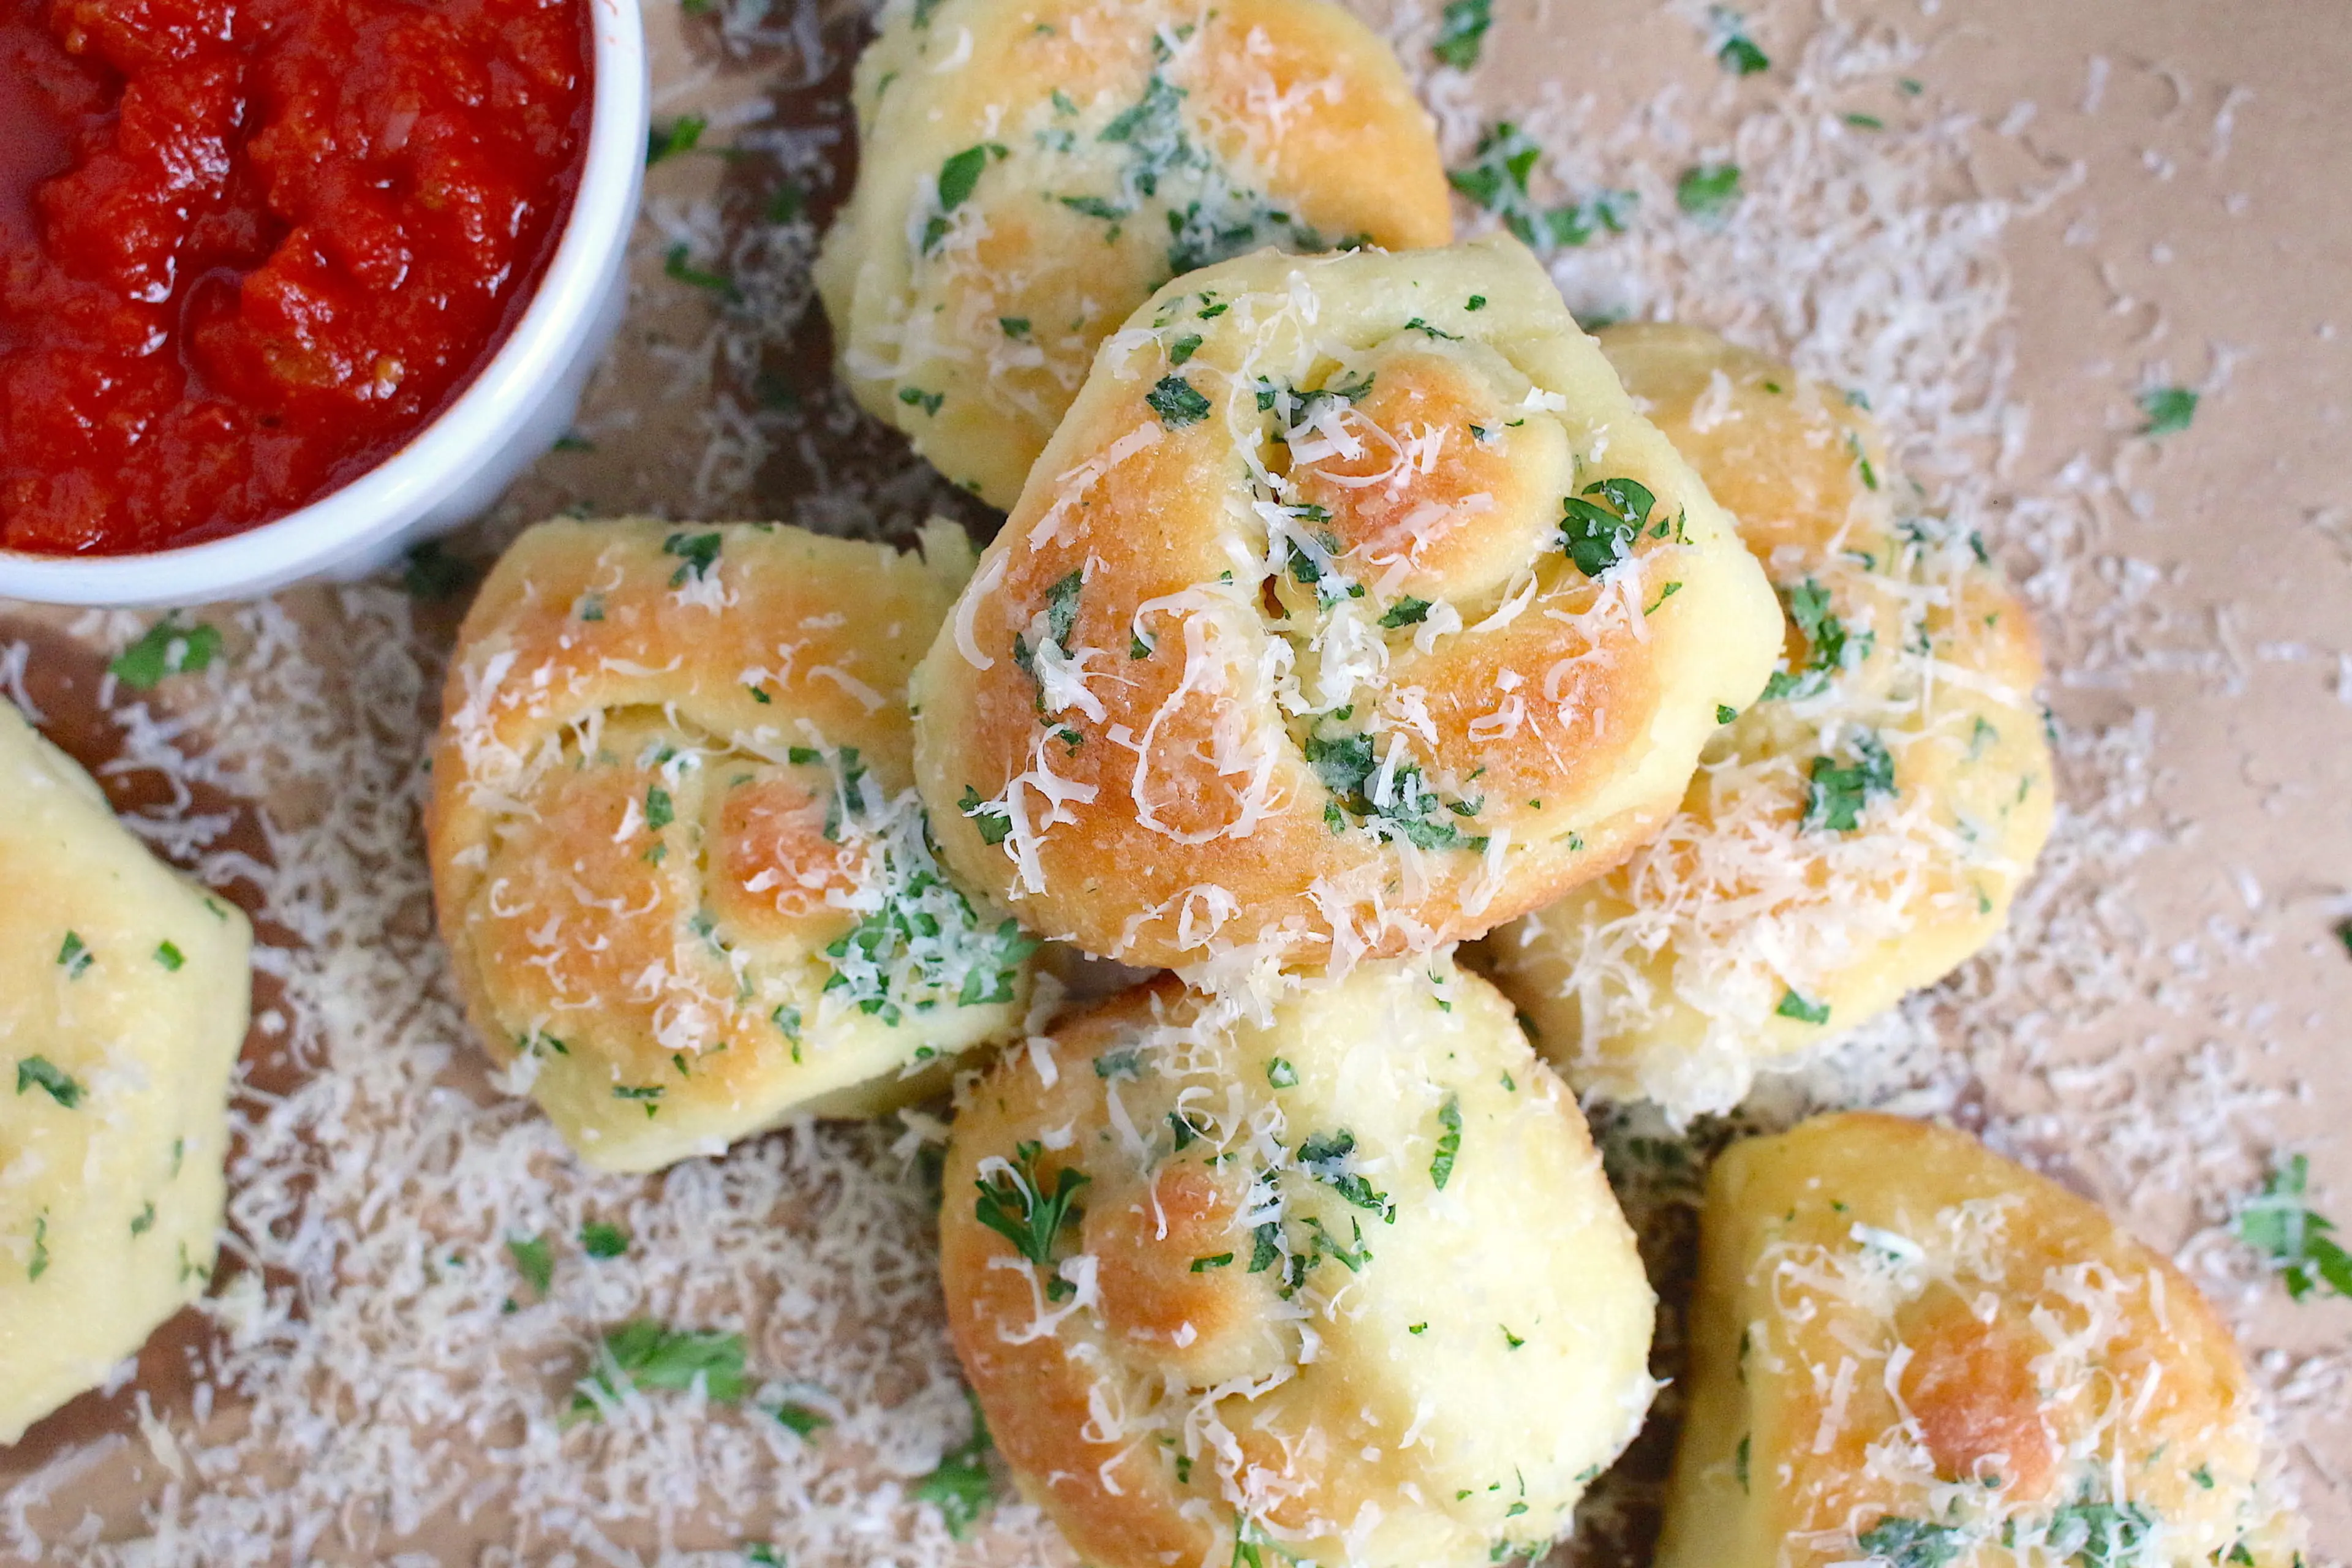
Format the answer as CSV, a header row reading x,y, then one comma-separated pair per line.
x,y
1907,1350
1031,170
684,878
1343,1286
1353,610
123,994
1852,836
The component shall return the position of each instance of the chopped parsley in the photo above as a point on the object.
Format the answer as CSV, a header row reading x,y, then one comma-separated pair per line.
x,y
2096,1534
1217,1260
696,554
1497,180
1462,33
75,957
1062,607
1406,612
1183,348
39,1072
993,820
916,397
1449,1144
1327,1157
600,1240
1836,796
643,1355
1281,1074
2275,1222
1013,326
1596,535
1735,51
1040,1216
1910,1543
1795,1007
669,139
534,1261
678,267
1829,646
167,647
801,1420
1707,191
958,178
960,1487
659,812
1412,811
2168,409
1176,402
645,1094
39,1264
1724,713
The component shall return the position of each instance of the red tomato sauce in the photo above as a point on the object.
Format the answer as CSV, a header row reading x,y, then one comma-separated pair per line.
x,y
248,248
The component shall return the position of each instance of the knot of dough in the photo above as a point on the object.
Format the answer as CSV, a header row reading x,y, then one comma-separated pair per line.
x,y
1353,610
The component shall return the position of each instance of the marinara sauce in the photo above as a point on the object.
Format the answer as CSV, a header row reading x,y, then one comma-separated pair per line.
x,y
248,247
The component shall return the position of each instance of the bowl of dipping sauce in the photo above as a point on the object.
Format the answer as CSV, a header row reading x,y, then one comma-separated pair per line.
x,y
288,287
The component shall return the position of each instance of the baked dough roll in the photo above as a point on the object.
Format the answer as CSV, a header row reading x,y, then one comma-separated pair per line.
x,y
1852,836
1907,1350
676,854
1353,610
1031,170
123,993
1344,1287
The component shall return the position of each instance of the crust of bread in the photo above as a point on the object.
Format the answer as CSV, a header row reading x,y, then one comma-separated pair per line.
x,y
1672,978
124,989
673,776
1177,811
1103,122
1894,1324
1271,1317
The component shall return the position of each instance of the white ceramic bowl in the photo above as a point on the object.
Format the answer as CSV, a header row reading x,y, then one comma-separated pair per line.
x,y
454,468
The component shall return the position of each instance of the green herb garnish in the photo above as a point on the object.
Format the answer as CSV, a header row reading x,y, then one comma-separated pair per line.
x,y
39,1072
1176,402
644,1355
1449,1144
1707,191
1014,1203
2292,1237
667,140
2168,409
1461,32
166,648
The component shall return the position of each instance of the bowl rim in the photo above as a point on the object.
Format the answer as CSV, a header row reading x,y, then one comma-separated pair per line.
x,y
452,447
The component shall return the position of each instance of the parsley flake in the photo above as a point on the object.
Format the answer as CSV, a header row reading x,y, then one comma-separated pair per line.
x,y
1462,33
39,1072
1014,1203
646,1355
2275,1222
166,648
1176,402
2168,409
1707,191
